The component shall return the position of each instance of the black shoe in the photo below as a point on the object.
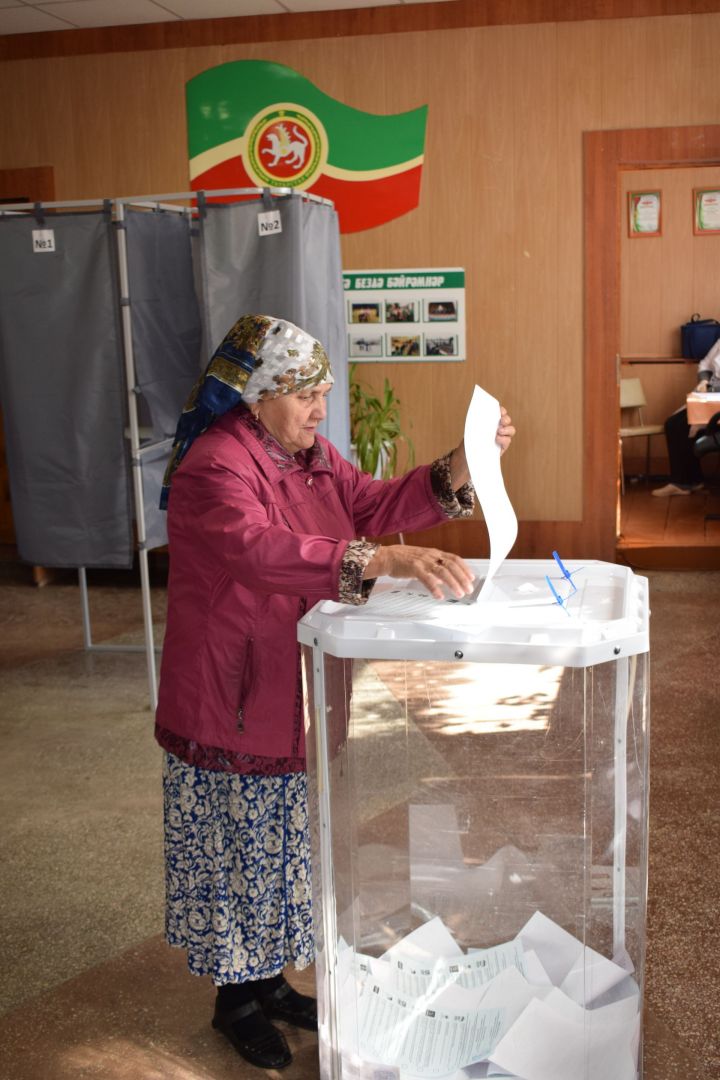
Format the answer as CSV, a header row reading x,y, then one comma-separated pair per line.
x,y
253,1036
284,1003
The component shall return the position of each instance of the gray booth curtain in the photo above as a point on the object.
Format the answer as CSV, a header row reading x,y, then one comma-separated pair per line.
x,y
62,383
167,342
295,274
62,390
166,324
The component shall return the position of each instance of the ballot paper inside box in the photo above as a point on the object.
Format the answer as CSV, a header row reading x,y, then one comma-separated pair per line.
x,y
478,805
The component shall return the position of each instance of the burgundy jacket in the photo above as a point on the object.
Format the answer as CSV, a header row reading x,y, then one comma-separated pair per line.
x,y
256,539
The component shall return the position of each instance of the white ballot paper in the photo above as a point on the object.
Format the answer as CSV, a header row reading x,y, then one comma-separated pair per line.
x,y
550,1041
429,1009
431,1041
581,973
483,458
418,978
432,939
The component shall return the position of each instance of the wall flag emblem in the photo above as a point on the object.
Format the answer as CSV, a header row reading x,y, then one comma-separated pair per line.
x,y
286,147
252,123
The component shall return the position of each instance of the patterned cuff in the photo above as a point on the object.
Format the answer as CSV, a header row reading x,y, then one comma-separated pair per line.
x,y
353,590
456,504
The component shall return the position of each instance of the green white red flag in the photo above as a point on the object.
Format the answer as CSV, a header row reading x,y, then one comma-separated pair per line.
x,y
252,123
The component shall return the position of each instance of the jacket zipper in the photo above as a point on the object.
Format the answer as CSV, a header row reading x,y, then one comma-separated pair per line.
x,y
244,684
299,719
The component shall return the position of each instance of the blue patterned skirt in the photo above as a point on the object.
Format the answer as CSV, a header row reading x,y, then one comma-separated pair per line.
x,y
237,871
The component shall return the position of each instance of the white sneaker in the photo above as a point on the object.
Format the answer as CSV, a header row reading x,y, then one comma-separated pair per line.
x,y
675,489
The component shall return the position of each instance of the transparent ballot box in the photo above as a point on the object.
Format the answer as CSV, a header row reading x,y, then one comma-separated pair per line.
x,y
478,779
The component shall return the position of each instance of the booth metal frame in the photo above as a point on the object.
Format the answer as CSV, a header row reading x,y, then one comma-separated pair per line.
x,y
166,202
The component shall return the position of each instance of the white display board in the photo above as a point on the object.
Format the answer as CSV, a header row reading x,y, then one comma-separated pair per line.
x,y
405,315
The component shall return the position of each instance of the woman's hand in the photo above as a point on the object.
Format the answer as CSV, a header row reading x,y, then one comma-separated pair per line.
x,y
433,568
505,431
459,473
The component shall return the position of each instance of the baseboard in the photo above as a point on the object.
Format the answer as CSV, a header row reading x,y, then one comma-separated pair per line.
x,y
641,557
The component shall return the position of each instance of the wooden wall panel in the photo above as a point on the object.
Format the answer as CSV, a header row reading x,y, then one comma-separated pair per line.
x,y
503,195
489,221
408,241
622,55
536,259
579,102
704,81
669,99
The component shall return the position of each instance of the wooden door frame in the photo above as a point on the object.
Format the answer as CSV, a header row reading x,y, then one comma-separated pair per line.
x,y
605,155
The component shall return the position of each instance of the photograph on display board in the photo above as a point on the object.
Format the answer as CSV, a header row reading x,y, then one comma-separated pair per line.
x,y
401,312
365,313
365,345
404,346
441,346
441,311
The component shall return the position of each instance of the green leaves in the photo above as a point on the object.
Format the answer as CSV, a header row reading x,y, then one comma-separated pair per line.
x,y
375,428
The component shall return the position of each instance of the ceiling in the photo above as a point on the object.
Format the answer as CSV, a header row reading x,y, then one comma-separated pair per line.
x,y
33,16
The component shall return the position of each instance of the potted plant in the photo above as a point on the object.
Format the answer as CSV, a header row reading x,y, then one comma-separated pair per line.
x,y
375,429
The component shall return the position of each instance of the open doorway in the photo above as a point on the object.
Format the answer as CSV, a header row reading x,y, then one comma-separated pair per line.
x,y
664,279
634,312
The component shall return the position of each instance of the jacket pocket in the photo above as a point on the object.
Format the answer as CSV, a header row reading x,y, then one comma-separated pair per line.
x,y
247,673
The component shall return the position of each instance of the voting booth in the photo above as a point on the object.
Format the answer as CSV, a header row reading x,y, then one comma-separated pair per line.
x,y
478,779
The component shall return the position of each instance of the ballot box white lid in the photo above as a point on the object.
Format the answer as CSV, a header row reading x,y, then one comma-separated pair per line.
x,y
603,616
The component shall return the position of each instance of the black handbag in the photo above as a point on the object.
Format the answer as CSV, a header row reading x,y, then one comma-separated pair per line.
x,y
698,336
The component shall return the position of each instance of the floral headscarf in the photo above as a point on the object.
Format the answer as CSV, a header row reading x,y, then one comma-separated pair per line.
x,y
260,357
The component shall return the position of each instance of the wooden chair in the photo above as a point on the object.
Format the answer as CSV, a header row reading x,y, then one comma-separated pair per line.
x,y
632,403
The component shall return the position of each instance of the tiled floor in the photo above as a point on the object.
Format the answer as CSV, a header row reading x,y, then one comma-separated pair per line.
x,y
89,988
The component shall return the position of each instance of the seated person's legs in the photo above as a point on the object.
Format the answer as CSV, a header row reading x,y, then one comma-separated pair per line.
x,y
685,472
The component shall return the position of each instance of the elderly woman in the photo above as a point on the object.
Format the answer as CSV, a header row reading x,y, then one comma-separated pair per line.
x,y
265,519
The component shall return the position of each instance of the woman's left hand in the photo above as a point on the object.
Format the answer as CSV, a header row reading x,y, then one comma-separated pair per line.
x,y
505,431
459,473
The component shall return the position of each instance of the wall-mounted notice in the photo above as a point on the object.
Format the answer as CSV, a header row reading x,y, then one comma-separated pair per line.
x,y
644,213
707,211
405,315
